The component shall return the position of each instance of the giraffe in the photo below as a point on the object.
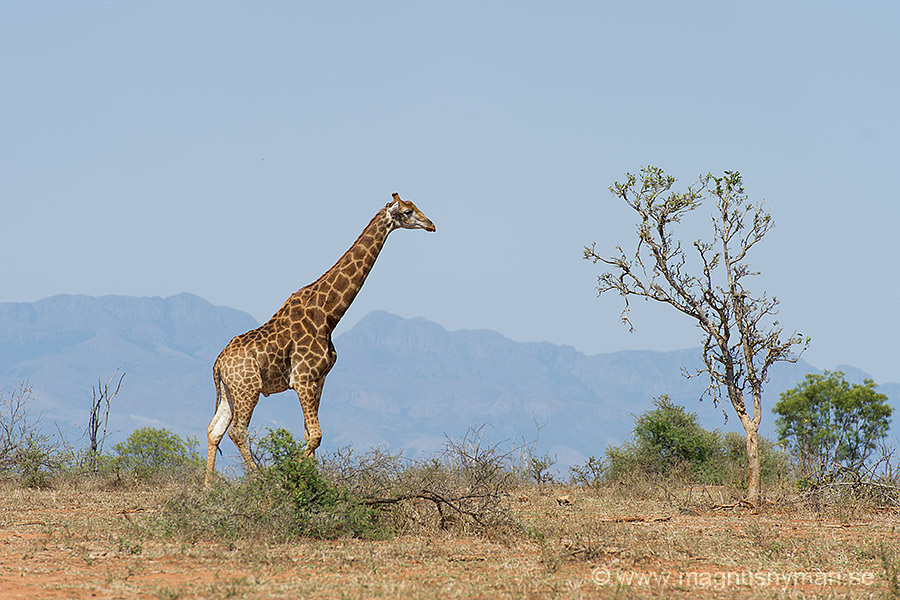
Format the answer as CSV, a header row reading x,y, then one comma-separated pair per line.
x,y
293,349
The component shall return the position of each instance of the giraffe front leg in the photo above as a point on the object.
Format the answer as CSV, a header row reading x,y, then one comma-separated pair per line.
x,y
238,434
244,402
309,393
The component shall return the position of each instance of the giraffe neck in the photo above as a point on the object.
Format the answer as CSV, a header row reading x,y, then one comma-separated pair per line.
x,y
337,288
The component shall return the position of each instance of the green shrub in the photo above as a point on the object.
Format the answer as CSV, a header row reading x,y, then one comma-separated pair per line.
x,y
150,451
669,435
319,508
665,440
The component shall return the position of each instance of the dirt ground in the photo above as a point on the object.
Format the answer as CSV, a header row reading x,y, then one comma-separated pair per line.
x,y
91,543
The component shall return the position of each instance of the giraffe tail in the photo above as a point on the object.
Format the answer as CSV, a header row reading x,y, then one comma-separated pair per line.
x,y
217,379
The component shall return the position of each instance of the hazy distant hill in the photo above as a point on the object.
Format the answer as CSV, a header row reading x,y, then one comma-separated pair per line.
x,y
166,347
402,382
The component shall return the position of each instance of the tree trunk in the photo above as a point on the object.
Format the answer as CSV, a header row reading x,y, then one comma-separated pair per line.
x,y
753,466
751,429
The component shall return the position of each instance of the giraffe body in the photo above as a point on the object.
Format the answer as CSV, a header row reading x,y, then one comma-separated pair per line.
x,y
293,349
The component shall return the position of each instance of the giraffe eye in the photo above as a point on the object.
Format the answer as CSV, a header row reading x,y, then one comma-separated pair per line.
x,y
407,213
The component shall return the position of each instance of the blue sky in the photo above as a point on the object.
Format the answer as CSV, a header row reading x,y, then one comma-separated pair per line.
x,y
235,150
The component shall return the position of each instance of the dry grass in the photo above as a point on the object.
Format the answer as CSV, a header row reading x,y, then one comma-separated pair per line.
x,y
84,538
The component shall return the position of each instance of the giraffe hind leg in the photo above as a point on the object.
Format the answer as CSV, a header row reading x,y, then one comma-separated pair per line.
x,y
216,430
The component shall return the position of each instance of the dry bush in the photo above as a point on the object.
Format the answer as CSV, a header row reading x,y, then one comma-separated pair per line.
x,y
465,486
374,494
847,493
25,452
287,499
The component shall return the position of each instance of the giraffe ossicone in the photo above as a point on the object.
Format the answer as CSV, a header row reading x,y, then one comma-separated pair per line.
x,y
293,349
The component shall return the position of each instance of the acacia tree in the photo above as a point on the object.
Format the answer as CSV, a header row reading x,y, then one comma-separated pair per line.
x,y
742,338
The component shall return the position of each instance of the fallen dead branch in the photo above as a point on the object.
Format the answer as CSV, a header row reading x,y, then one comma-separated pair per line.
x,y
455,504
466,559
125,512
637,520
740,503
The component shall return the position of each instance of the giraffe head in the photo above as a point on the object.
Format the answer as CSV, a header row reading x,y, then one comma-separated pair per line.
x,y
406,215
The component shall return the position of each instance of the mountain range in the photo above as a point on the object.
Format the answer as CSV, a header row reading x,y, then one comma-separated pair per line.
x,y
404,383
